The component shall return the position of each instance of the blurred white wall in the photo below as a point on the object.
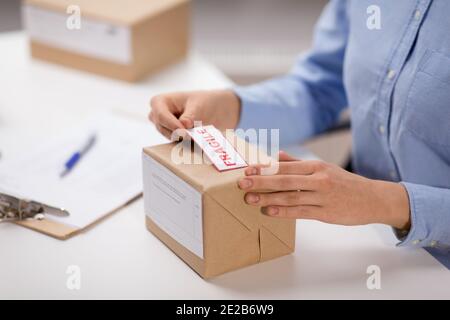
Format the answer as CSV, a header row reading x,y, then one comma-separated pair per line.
x,y
249,40
254,39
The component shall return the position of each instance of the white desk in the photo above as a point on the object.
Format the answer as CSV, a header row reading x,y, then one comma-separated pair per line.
x,y
120,259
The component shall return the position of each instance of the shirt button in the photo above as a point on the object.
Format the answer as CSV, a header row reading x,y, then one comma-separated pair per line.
x,y
381,129
417,15
393,174
433,243
391,74
416,242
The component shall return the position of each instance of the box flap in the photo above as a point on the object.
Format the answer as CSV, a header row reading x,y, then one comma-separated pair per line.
x,y
126,12
271,246
222,252
231,198
282,229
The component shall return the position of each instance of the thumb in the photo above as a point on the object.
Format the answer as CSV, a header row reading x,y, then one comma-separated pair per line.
x,y
187,119
283,156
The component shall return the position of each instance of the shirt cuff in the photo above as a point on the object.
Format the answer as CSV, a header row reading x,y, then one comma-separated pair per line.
x,y
426,225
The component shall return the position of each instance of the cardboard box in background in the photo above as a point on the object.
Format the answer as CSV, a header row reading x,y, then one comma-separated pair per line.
x,y
121,39
200,214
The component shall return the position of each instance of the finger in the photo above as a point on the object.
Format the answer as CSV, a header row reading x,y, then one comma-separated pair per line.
x,y
297,212
283,156
306,167
262,169
163,113
171,135
168,120
285,198
164,131
252,170
151,116
278,183
187,119
179,134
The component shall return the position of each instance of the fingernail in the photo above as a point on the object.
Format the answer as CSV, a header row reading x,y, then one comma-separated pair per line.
x,y
271,211
252,198
245,183
251,171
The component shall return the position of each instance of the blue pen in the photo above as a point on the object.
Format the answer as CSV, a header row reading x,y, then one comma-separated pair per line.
x,y
76,157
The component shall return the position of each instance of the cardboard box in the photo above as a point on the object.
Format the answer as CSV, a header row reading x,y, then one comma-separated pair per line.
x,y
121,39
200,214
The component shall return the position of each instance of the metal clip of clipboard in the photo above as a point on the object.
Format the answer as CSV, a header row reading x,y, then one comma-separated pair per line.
x,y
15,209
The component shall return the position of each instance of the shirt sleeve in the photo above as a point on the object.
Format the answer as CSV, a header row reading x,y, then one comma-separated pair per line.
x,y
310,98
430,218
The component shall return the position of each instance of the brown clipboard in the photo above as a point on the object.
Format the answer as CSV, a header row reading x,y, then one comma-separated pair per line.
x,y
62,231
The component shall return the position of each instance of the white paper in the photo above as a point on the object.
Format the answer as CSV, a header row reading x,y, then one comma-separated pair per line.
x,y
174,205
217,148
95,38
107,177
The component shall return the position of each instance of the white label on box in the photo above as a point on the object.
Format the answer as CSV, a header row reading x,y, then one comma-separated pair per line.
x,y
95,38
173,205
217,148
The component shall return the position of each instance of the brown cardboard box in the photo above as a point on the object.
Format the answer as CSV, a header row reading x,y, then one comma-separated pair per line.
x,y
121,39
230,233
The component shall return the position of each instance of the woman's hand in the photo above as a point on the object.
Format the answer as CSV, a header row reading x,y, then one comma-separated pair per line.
x,y
179,110
321,191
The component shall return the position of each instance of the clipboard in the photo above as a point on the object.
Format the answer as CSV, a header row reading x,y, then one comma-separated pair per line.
x,y
61,231
32,215
105,181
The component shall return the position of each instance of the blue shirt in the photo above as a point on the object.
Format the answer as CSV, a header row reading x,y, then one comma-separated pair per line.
x,y
396,82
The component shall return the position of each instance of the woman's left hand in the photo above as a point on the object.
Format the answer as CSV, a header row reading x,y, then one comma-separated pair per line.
x,y
317,190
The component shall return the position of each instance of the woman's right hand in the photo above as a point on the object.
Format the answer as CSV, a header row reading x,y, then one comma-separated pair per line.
x,y
179,110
